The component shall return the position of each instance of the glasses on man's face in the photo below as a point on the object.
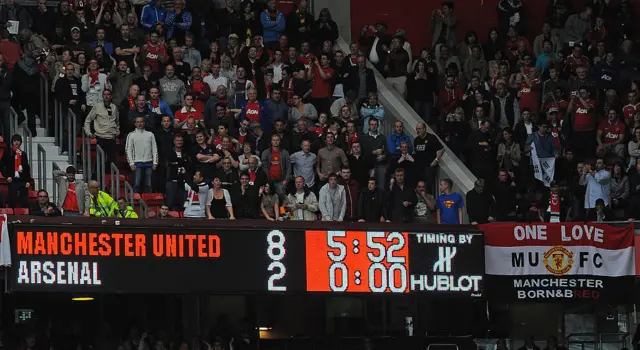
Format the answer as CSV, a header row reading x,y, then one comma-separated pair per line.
x,y
43,196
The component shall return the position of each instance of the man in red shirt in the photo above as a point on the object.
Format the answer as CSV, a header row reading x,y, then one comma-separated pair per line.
x,y
322,75
631,108
73,198
277,164
610,136
187,111
583,120
154,53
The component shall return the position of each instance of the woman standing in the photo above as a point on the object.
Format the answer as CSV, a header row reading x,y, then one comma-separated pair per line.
x,y
219,202
270,204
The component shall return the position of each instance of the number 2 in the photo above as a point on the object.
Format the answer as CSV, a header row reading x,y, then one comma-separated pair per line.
x,y
276,251
271,283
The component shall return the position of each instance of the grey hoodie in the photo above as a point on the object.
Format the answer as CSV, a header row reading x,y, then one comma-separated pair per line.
x,y
172,90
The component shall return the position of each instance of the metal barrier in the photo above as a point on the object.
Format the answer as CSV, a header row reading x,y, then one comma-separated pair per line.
x,y
72,138
597,340
86,155
42,167
100,170
27,141
128,192
115,180
144,209
54,193
44,101
57,125
13,122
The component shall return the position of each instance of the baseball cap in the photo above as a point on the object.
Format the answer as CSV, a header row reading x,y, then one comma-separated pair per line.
x,y
552,110
234,35
71,170
75,28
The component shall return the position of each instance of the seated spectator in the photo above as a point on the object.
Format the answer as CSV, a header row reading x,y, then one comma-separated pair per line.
x,y
301,203
73,194
142,155
611,136
44,207
269,203
245,199
449,204
15,167
480,204
163,213
332,200
197,202
124,210
101,203
600,212
401,198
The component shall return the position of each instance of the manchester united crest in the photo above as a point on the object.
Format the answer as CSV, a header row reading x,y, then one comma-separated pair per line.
x,y
558,260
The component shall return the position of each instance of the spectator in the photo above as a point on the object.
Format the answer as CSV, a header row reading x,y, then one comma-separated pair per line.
x,y
106,125
179,167
480,145
125,211
582,110
600,213
504,192
73,194
475,62
360,73
299,23
401,199
450,98
257,177
245,199
273,23
190,54
480,204
269,203
126,46
619,190
397,138
332,201
406,161
197,197
426,204
634,147
443,24
255,111
44,207
302,111
122,79
505,108
352,190
172,88
396,66
374,144
325,29
152,14
215,79
577,27
546,37
247,154
101,203
163,213
321,76
187,111
302,133
598,183
277,165
16,169
542,141
301,203
304,164
371,109
226,174
371,203
43,20
94,84
142,155
361,166
449,204
178,22
509,152
330,159
611,136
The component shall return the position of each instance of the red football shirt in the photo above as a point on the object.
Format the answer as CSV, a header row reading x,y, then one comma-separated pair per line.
x,y
321,87
583,119
611,133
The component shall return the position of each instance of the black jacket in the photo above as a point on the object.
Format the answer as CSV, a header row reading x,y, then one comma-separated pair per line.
x,y
7,167
353,81
229,179
261,178
371,205
396,196
173,163
479,206
70,89
245,206
6,79
164,140
37,210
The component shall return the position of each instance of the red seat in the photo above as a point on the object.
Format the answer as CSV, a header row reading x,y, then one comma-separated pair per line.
x,y
175,214
107,179
33,196
7,211
153,198
136,197
20,211
152,214
1,139
79,141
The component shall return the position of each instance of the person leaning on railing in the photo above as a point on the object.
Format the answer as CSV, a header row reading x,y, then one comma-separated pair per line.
x,y
101,203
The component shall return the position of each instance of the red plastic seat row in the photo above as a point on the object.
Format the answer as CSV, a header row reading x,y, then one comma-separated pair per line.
x,y
14,211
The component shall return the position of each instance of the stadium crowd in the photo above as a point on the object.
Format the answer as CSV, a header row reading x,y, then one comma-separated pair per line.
x,y
239,111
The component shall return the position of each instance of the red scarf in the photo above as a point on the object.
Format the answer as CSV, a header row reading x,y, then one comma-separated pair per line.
x,y
17,162
289,92
94,77
196,85
155,104
132,103
554,207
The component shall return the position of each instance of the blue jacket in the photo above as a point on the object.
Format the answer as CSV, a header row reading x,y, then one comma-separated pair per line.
x,y
107,46
372,111
184,25
152,15
394,141
164,109
271,29
265,119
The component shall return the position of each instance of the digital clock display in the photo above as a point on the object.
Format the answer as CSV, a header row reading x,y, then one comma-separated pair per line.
x,y
394,262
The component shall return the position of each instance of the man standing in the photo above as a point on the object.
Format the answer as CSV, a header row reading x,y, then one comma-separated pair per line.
x,y
598,182
396,67
401,199
322,76
428,152
449,204
374,144
172,88
73,194
196,202
214,79
351,190
273,24
332,202
15,167
126,47
397,138
277,165
142,155
303,163
106,122
330,159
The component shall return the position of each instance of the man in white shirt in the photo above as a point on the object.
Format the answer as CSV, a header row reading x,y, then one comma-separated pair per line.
x,y
214,79
195,205
142,155
333,201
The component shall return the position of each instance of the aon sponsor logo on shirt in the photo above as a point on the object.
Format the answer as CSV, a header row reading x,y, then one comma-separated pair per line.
x,y
611,135
582,110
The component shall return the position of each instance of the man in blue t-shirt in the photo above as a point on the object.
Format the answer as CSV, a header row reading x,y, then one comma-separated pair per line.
x,y
449,205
